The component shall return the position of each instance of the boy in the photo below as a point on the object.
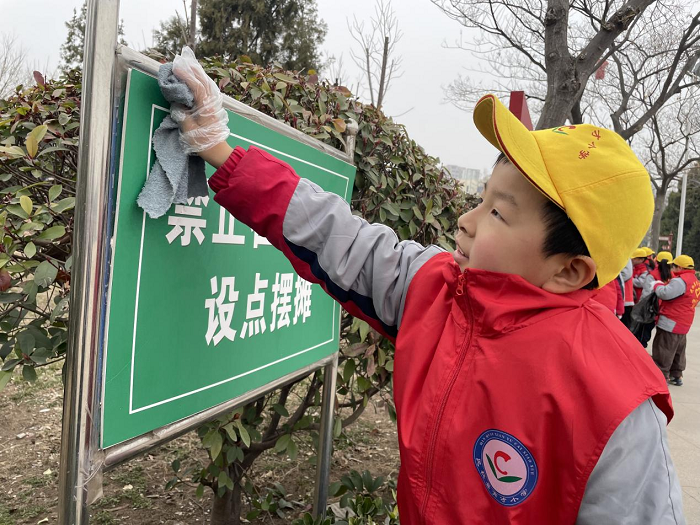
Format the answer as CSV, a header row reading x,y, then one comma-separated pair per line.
x,y
505,411
679,297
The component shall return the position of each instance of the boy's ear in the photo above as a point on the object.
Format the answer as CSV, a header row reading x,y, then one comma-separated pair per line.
x,y
574,273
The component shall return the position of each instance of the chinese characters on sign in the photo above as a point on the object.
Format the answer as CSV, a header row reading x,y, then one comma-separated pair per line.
x,y
188,222
291,301
221,307
281,302
221,310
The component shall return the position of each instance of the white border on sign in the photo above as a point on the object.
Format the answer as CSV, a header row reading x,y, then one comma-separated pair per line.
x,y
112,247
138,281
272,150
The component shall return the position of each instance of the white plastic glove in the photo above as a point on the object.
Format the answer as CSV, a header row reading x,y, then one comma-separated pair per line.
x,y
205,124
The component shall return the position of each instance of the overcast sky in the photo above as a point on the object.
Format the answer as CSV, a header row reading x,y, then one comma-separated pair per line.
x,y
441,129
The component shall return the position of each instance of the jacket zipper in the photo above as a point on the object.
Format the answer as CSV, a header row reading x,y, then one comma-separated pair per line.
x,y
443,403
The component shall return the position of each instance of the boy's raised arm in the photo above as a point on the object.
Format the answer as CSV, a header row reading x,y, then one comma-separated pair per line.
x,y
363,266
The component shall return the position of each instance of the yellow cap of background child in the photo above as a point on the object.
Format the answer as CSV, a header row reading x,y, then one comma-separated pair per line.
x,y
684,261
588,171
639,253
648,250
664,256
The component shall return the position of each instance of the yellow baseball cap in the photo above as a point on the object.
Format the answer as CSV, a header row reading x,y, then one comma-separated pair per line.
x,y
648,250
588,171
664,256
639,253
684,261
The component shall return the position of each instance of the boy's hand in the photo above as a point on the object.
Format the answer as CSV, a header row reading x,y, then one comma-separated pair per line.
x,y
203,126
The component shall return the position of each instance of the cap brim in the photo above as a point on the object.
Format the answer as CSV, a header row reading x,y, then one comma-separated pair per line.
x,y
503,129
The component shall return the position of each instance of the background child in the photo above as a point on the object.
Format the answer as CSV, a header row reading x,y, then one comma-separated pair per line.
x,y
506,414
676,313
627,293
661,271
639,272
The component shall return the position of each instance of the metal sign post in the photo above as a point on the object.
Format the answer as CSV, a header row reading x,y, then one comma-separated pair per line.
x,y
79,470
107,419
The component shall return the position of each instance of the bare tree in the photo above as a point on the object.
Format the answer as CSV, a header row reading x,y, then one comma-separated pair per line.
x,y
669,145
650,99
13,59
376,54
333,71
551,48
648,70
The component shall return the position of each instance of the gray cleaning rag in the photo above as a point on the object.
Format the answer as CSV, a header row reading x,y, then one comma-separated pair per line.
x,y
175,176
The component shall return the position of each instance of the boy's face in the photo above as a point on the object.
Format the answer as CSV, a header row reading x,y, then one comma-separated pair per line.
x,y
506,232
637,260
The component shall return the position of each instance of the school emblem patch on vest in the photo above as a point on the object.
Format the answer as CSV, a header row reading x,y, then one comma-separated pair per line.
x,y
506,467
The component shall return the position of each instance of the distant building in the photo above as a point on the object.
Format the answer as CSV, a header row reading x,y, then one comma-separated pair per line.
x,y
461,173
457,172
470,179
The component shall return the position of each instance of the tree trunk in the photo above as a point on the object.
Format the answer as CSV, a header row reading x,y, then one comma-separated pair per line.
x,y
227,509
369,74
659,206
382,78
561,71
576,113
221,510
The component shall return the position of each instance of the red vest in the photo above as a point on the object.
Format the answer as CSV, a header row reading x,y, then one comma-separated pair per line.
x,y
656,274
682,309
504,398
629,292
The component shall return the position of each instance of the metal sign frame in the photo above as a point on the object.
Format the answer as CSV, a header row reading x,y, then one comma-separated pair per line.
x,y
83,462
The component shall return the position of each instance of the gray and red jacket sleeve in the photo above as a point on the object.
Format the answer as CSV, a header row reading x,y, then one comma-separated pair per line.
x,y
667,292
639,279
362,266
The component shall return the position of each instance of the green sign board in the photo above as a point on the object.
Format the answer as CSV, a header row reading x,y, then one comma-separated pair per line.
x,y
200,308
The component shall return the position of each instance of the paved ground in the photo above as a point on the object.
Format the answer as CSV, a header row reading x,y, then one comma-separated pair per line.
x,y
684,430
